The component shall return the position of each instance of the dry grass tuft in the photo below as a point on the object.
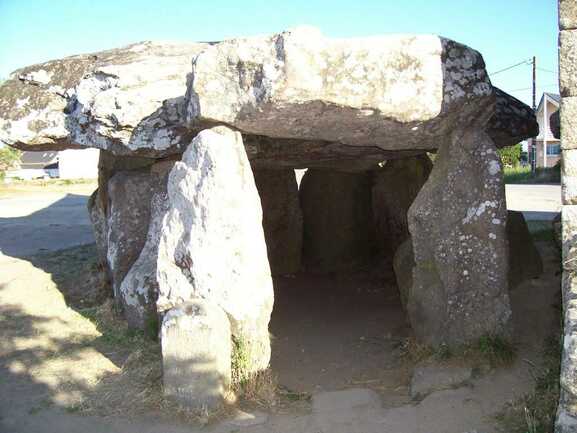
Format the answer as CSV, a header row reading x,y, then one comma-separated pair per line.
x,y
260,388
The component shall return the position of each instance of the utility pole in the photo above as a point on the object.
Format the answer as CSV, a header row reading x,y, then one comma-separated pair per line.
x,y
532,148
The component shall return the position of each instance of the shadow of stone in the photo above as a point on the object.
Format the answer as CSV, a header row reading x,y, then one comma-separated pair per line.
x,y
61,224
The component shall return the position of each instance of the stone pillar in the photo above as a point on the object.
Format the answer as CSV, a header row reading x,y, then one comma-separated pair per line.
x,y
196,354
97,215
338,220
211,242
567,409
282,219
457,225
129,195
139,289
395,187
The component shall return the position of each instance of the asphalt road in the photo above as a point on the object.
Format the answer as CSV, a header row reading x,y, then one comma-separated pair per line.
x,y
537,202
45,221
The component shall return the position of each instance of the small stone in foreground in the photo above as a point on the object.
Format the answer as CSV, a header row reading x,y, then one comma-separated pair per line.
x,y
196,354
428,379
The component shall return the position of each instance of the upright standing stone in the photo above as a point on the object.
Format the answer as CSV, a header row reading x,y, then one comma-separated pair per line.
x,y
196,354
282,218
97,215
338,219
129,195
395,187
139,288
212,243
457,224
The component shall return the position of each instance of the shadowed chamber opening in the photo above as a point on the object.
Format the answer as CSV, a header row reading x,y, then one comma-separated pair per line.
x,y
338,320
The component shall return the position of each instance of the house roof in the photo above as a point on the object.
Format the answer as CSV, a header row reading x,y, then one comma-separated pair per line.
x,y
553,97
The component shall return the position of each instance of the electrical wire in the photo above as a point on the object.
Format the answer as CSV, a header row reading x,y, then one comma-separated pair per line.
x,y
524,62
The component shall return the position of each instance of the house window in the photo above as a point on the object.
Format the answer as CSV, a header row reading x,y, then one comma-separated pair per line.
x,y
553,149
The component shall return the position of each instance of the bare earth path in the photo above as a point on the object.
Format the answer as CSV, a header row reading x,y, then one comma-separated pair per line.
x,y
50,359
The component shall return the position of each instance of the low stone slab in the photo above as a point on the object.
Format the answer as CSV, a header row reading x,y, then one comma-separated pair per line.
x,y
334,401
196,354
428,379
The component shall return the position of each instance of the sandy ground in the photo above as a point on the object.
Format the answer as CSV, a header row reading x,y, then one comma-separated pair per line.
x,y
331,333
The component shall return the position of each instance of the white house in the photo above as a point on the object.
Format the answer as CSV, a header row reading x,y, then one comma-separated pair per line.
x,y
548,148
65,164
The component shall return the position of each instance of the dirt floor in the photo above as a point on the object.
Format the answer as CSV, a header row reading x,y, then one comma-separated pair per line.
x,y
341,350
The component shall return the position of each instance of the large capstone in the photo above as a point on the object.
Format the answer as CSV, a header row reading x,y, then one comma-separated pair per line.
x,y
282,218
322,100
212,243
125,100
196,354
338,219
457,223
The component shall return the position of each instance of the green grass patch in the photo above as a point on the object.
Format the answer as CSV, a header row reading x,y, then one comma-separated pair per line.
x,y
541,230
523,174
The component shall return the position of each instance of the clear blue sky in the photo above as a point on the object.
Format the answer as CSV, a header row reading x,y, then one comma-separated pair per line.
x,y
504,31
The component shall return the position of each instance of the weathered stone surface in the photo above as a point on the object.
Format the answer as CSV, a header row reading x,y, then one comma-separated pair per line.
x,y
567,14
282,218
398,93
569,237
566,415
430,378
568,63
337,219
129,195
524,258
512,122
125,100
568,122
212,243
196,354
457,225
395,187
395,92
139,288
97,215
403,264
569,176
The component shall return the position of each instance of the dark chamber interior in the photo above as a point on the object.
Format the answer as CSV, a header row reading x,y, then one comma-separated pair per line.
x,y
338,319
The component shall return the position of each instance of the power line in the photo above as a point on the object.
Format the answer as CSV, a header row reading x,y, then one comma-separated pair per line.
x,y
530,88
546,70
524,62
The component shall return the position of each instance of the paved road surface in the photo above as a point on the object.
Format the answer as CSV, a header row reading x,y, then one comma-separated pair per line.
x,y
537,202
48,221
